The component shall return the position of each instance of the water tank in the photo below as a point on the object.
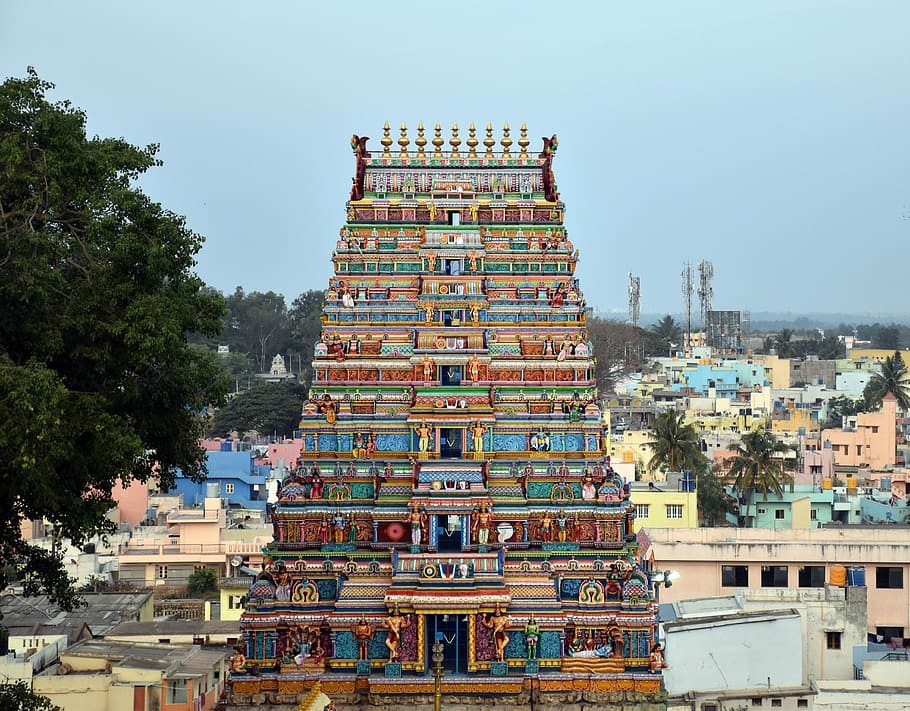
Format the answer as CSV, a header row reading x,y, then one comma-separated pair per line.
x,y
227,446
827,483
688,480
838,575
628,457
212,490
856,576
851,482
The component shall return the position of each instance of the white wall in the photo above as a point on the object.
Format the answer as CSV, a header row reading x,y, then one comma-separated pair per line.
x,y
733,652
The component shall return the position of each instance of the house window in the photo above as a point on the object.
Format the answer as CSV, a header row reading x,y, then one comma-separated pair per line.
x,y
888,576
756,701
779,514
734,576
776,703
774,576
812,576
802,703
674,510
641,510
176,691
890,633
813,515
235,602
874,429
162,572
228,488
833,640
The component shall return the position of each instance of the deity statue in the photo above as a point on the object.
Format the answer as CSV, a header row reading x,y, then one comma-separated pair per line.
x,y
481,525
532,634
427,364
395,623
497,623
474,367
339,523
546,527
363,632
418,520
656,660
424,432
477,433
329,408
237,661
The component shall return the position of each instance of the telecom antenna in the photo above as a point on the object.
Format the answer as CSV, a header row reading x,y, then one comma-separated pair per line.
x,y
634,299
705,290
687,300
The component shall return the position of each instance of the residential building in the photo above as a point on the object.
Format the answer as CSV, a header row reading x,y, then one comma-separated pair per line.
x,y
868,440
241,482
722,561
103,675
668,504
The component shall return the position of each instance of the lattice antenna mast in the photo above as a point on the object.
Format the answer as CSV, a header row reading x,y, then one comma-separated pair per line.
x,y
687,289
705,290
634,299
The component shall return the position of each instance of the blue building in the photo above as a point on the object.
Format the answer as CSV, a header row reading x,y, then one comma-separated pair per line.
x,y
705,377
241,483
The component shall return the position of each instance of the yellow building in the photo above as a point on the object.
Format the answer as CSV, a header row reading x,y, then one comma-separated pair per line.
x,y
104,675
660,506
876,354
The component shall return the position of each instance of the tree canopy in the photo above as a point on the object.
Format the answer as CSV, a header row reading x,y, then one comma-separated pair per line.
x,y
675,445
98,297
757,464
892,378
268,409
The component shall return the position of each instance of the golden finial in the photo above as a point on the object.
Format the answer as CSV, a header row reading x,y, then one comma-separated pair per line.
x,y
489,142
421,141
524,142
472,141
386,141
455,141
505,142
437,142
403,141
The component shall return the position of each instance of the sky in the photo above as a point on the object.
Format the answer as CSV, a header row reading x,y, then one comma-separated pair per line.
x,y
771,138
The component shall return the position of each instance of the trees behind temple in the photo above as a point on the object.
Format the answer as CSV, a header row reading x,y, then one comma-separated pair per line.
x,y
97,380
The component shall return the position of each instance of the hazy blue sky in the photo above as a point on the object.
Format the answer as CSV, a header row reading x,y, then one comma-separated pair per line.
x,y
770,137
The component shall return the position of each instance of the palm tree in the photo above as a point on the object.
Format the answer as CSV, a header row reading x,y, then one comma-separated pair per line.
x,y
783,344
757,465
675,444
893,378
667,331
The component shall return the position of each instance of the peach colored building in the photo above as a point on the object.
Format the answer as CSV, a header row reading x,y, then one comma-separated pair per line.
x,y
720,561
869,442
168,555
132,501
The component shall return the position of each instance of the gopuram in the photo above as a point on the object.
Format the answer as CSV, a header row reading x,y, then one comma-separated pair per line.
x,y
451,487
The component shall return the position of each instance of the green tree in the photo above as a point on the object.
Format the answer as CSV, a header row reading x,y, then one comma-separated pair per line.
x,y
892,378
712,500
831,348
98,297
887,337
19,697
842,406
674,444
758,465
269,408
257,324
616,347
305,324
202,581
783,344
668,333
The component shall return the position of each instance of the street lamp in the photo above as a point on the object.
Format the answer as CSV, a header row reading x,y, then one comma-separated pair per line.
x,y
437,674
665,578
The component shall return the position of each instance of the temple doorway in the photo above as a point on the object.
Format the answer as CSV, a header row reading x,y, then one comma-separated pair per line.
x,y
450,442
452,630
448,533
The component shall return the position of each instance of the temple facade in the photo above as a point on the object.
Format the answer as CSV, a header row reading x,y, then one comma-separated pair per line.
x,y
452,486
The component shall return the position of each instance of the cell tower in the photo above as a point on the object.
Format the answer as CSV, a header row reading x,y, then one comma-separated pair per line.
x,y
687,300
634,299
705,290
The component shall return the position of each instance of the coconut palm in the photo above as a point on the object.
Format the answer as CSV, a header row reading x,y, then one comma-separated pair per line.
x,y
667,331
783,344
757,464
675,444
893,378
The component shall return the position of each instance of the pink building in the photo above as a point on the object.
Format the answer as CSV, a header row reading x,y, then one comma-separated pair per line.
x,y
132,501
869,441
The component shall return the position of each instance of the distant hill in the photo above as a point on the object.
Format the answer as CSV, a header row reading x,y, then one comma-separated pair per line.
x,y
774,321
